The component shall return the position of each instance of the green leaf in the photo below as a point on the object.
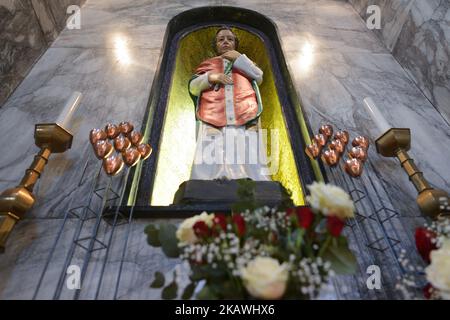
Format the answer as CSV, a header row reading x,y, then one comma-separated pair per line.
x,y
216,273
168,239
170,292
188,291
196,274
225,290
342,260
342,241
206,294
200,272
159,280
152,232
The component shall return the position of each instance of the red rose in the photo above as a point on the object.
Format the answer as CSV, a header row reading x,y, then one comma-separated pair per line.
x,y
428,291
424,242
239,223
201,230
220,220
305,217
290,211
335,225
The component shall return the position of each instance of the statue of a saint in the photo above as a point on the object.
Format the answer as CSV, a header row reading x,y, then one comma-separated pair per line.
x,y
228,105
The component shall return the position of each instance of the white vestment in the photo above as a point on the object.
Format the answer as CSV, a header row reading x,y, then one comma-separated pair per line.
x,y
232,152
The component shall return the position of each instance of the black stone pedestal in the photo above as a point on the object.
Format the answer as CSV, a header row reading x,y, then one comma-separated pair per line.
x,y
223,193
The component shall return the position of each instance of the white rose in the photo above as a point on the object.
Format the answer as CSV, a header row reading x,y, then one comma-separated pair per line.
x,y
330,200
438,272
265,278
185,232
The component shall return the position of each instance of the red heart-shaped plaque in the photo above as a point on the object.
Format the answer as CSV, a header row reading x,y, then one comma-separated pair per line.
x,y
326,130
353,167
361,141
145,150
102,149
97,134
121,143
313,150
358,153
331,157
337,145
320,139
343,136
136,137
126,127
131,156
113,164
112,131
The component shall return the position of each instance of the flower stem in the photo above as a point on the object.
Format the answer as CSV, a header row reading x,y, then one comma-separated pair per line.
x,y
299,239
325,245
234,280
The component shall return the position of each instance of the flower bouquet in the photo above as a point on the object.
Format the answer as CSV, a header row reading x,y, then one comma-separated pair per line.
x,y
433,245
262,252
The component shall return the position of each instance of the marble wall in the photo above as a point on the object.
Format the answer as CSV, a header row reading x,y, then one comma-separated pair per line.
x,y
334,60
417,32
27,28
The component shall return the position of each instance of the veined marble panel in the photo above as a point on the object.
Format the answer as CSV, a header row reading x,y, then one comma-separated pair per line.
x,y
21,43
27,27
393,16
332,88
46,20
423,49
418,34
23,263
59,11
330,25
142,23
115,86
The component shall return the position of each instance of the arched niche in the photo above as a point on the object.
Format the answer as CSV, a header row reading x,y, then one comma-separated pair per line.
x,y
169,122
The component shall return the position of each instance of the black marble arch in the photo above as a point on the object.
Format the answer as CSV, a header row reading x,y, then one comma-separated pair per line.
x,y
179,26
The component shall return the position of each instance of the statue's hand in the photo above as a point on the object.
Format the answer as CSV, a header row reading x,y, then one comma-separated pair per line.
x,y
220,78
231,55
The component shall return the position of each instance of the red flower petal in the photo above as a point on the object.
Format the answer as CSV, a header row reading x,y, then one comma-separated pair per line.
x,y
220,220
428,291
290,211
239,223
201,230
335,226
424,242
305,217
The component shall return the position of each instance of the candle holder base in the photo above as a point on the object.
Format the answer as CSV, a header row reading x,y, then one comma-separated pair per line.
x,y
434,203
14,203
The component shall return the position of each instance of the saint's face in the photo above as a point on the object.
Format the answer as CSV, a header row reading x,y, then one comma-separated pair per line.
x,y
225,41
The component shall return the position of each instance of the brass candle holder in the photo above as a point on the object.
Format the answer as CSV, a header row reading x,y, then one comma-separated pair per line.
x,y
395,142
15,202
